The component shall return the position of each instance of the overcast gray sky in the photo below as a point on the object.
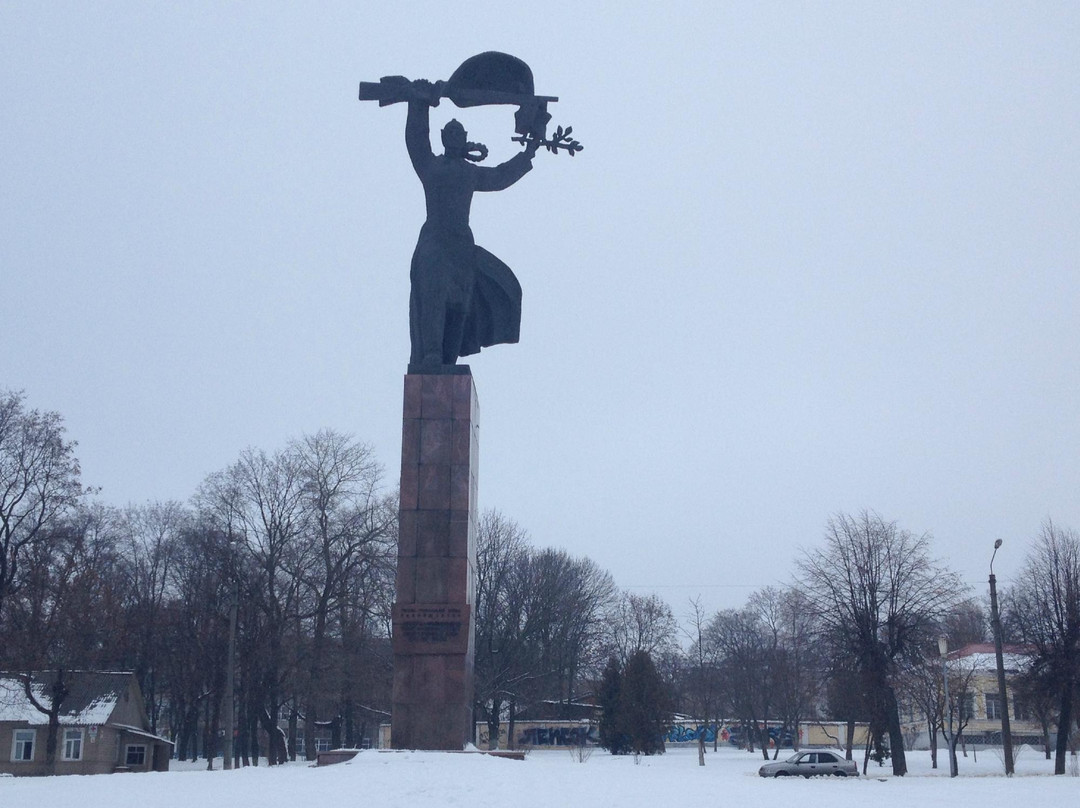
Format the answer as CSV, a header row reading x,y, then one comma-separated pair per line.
x,y
815,257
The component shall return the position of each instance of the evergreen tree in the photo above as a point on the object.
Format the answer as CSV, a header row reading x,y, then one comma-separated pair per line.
x,y
612,735
635,707
645,705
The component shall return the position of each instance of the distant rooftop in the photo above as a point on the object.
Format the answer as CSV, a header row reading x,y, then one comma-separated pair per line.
x,y
983,657
92,696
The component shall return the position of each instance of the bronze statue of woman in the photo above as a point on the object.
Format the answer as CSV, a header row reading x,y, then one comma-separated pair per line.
x,y
463,298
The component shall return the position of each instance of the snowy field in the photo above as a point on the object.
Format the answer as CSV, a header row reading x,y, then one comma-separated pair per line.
x,y
548,778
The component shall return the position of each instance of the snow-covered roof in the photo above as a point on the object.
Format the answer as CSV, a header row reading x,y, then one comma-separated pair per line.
x,y
141,733
92,696
981,656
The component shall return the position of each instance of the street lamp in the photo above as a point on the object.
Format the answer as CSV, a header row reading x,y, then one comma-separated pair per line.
x,y
995,620
230,662
943,649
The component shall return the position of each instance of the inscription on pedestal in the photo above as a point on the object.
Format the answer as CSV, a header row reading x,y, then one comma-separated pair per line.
x,y
437,628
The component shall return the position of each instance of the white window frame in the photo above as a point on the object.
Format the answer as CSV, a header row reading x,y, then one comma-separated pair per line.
x,y
74,737
127,754
17,742
993,706
322,743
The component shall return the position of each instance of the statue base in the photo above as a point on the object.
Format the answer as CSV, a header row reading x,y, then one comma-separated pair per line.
x,y
432,616
439,370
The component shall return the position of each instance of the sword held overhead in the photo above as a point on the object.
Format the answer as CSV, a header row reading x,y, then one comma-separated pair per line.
x,y
485,79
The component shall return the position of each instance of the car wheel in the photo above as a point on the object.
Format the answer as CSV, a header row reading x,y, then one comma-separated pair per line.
x,y
780,774
840,774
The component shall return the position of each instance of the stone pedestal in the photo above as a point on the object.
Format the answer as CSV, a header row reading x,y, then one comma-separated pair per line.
x,y
432,619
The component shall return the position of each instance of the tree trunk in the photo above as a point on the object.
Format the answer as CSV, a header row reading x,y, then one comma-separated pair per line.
x,y
780,740
213,710
294,729
253,736
896,733
1064,726
351,739
511,707
310,716
50,739
493,723
275,742
191,724
850,741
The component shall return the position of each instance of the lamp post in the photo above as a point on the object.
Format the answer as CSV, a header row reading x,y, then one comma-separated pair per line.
x,y
230,662
943,649
995,620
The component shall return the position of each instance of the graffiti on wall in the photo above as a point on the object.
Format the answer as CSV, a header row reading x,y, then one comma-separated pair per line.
x,y
541,733
557,736
686,733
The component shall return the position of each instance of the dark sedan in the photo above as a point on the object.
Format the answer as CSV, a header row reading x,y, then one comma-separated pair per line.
x,y
811,764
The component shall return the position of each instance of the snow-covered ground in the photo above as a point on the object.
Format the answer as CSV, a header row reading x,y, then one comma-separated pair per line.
x,y
548,778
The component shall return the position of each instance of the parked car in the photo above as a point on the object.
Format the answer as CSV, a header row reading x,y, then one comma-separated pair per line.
x,y
811,764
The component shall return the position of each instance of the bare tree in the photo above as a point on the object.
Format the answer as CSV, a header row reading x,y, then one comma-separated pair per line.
x,y
63,580
501,665
702,681
39,482
795,662
641,623
1046,608
346,527
921,681
564,619
877,595
151,537
259,501
743,648
193,621
960,708
922,687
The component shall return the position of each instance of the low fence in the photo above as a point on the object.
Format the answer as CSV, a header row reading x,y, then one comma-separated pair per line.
x,y
568,734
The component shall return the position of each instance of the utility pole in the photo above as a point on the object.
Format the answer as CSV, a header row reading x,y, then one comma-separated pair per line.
x,y
943,648
995,620
230,662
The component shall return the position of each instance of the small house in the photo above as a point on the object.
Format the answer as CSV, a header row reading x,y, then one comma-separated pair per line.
x,y
102,725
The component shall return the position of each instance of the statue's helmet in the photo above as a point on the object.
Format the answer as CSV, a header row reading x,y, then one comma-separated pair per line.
x,y
492,71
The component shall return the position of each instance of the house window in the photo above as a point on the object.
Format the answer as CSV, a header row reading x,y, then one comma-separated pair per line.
x,y
322,744
967,707
300,745
993,706
135,755
73,744
1021,710
22,745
